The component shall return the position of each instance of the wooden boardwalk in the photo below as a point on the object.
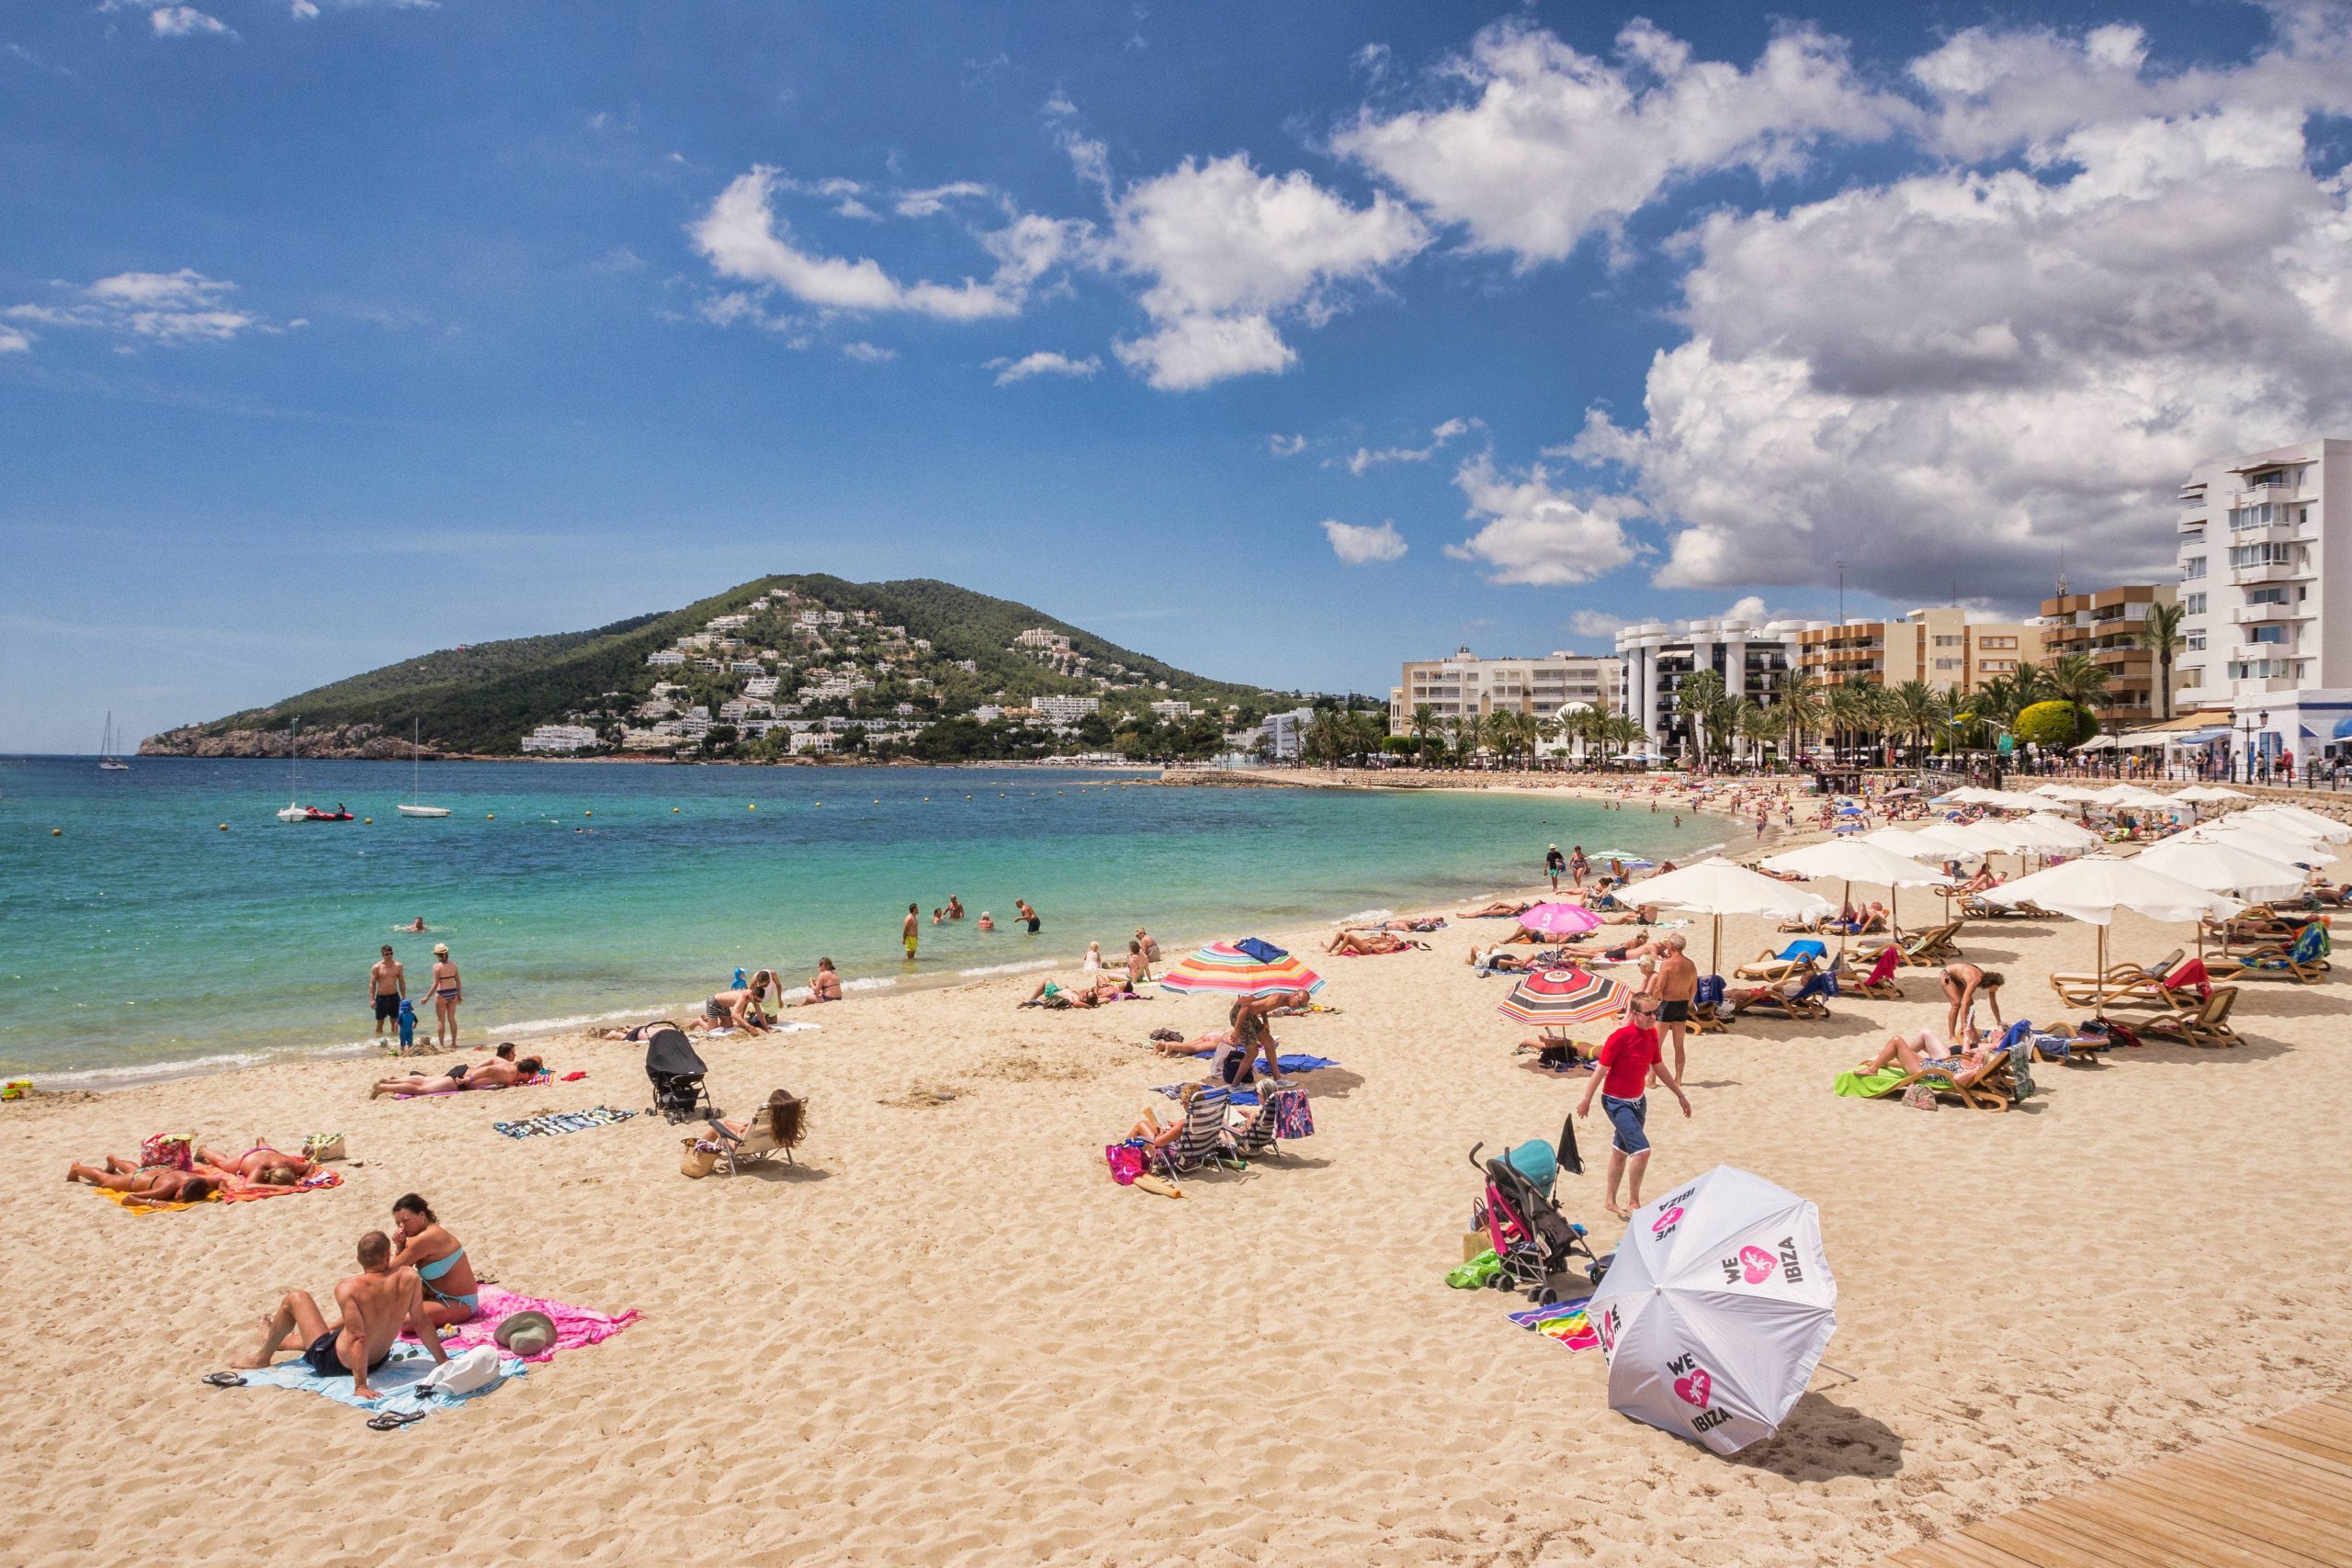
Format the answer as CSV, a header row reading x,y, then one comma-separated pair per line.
x,y
2275,1495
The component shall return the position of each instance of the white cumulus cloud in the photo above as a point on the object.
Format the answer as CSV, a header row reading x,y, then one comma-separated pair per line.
x,y
1532,531
167,308
185,21
1545,145
1358,545
1597,623
869,353
1365,457
1222,250
1044,362
1286,445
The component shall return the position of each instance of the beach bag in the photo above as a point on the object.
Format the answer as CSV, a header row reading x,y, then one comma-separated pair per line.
x,y
1920,1096
173,1151
1293,1118
476,1368
1125,1161
2021,1070
697,1158
320,1148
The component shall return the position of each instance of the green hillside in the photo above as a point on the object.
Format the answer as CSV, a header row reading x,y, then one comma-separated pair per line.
x,y
483,698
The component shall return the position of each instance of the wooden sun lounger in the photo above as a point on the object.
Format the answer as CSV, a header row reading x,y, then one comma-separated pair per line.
x,y
1933,948
1855,981
2124,984
1989,1088
1770,967
2206,1023
2271,961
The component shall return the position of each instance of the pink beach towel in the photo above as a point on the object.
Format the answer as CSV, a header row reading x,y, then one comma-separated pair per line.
x,y
574,1326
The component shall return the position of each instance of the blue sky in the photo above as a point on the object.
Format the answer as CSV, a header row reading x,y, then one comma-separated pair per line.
x,y
1282,341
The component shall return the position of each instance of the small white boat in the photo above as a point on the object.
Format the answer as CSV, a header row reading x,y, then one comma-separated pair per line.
x,y
412,807
108,761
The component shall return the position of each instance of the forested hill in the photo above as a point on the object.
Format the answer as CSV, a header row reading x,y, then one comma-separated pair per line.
x,y
483,698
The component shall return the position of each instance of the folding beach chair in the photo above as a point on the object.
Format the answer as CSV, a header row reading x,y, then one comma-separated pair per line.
x,y
2302,961
1932,949
1277,1102
774,1129
1707,1006
1879,981
1202,1139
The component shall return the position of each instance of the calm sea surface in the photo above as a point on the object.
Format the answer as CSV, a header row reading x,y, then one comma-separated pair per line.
x,y
143,939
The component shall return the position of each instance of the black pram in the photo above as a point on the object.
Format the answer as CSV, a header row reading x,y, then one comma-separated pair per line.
x,y
676,1073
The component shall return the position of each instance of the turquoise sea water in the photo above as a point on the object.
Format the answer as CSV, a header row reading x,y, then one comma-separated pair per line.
x,y
143,939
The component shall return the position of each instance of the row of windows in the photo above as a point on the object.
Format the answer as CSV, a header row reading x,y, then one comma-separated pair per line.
x,y
2242,556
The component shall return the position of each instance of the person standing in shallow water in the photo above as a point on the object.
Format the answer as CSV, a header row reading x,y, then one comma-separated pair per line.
x,y
1555,863
908,931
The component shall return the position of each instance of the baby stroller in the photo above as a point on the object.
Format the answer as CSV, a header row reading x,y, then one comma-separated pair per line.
x,y
1532,1240
676,1072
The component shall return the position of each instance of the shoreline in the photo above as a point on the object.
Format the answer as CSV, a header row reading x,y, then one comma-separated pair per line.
x,y
1740,840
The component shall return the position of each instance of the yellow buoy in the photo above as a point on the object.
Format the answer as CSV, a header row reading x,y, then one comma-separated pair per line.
x,y
367,821
587,814
673,811
491,816
225,827
57,832
754,806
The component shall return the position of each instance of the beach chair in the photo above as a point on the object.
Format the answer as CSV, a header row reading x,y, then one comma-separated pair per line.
x,y
2204,1023
774,1129
1990,1087
2302,961
2124,984
1878,981
1707,1006
1201,1143
1797,958
1932,949
1260,1138
1806,1003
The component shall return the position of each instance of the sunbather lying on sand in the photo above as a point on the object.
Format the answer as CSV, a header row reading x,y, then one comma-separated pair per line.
x,y
1363,944
636,1030
1053,994
1412,923
1496,960
1639,915
261,1164
495,1073
1929,1051
154,1184
1502,910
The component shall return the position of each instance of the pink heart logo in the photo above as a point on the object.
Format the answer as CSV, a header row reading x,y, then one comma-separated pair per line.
x,y
1666,1220
1757,1264
1694,1387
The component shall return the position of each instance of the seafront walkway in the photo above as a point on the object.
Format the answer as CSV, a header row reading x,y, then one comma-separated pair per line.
x,y
2275,1495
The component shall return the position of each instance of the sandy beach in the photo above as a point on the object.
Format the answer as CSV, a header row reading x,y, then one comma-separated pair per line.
x,y
948,1337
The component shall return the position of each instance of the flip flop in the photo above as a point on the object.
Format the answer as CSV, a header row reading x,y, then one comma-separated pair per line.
x,y
225,1379
394,1420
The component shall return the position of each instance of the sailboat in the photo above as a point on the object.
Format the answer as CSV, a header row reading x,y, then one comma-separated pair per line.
x,y
295,810
412,807
108,761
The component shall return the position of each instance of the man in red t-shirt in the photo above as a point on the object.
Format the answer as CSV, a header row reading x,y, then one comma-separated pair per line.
x,y
1627,1059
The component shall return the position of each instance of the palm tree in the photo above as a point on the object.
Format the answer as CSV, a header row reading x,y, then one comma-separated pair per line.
x,y
1697,705
1762,727
2161,632
1800,701
1501,733
1424,723
2076,679
1915,708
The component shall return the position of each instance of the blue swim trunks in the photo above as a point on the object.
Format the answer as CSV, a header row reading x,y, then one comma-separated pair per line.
x,y
1626,1116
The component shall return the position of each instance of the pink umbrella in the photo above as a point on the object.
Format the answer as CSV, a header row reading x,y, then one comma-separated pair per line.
x,y
1560,919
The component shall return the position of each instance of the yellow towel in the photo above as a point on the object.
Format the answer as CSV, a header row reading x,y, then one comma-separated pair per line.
x,y
138,1205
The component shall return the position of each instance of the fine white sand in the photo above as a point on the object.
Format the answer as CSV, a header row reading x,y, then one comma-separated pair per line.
x,y
948,1337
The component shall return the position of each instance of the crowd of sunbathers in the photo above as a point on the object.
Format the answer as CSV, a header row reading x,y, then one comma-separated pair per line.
x,y
192,1174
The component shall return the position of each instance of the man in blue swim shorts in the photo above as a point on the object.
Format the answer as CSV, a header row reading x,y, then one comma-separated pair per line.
x,y
1627,1059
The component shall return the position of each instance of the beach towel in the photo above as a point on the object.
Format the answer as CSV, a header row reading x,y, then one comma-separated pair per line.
x,y
453,1093
2191,974
396,1380
1262,951
1289,1064
316,1181
562,1122
1869,1085
131,1203
1564,1323
575,1327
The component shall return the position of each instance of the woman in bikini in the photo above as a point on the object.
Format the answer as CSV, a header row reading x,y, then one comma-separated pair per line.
x,y
150,1184
446,994
496,1073
1963,985
261,1164
451,1291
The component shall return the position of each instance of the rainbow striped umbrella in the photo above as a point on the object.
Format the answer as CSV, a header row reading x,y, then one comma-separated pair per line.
x,y
1559,998
1223,968
1560,919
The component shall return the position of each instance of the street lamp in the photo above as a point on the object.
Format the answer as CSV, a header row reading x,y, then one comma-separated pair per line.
x,y
2254,723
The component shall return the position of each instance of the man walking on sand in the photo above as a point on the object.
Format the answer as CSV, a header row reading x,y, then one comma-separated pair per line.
x,y
1676,986
387,987
1626,1061
908,931
376,1303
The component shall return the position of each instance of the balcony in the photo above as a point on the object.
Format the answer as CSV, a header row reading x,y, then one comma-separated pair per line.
x,y
2193,521
2257,614
2276,571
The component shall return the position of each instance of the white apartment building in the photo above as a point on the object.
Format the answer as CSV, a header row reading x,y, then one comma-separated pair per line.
x,y
1463,683
1657,655
1172,709
2265,554
665,658
560,737
1066,710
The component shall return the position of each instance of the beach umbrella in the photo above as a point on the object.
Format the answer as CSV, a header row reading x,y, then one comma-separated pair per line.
x,y
2279,841
2095,886
1717,1310
2070,835
1715,887
2066,793
2224,865
1224,969
1563,998
1911,845
2214,792
2316,826
1560,919
1855,860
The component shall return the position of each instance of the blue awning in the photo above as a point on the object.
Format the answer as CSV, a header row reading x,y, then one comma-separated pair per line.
x,y
2201,737
2342,729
